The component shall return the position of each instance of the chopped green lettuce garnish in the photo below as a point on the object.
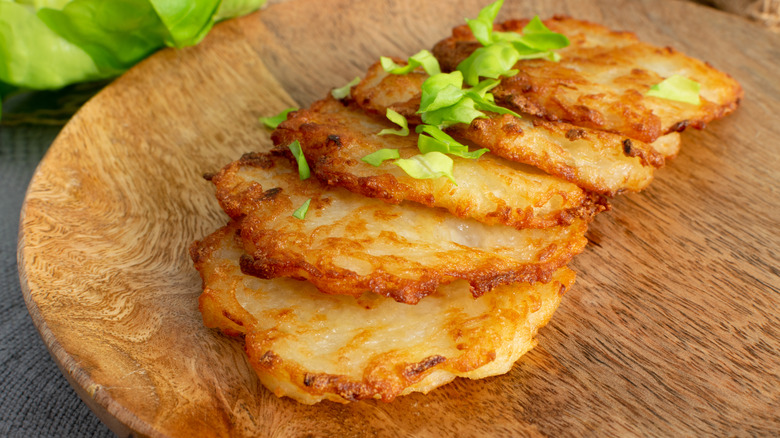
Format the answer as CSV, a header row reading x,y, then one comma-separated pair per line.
x,y
377,158
482,26
399,120
346,90
441,90
422,58
428,166
501,50
274,121
482,88
440,141
491,61
536,36
303,166
677,88
463,111
300,213
444,102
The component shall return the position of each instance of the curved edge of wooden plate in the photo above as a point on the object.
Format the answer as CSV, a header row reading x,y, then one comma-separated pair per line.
x,y
119,421
124,422
36,223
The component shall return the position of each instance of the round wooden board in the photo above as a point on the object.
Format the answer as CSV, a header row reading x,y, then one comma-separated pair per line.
x,y
671,329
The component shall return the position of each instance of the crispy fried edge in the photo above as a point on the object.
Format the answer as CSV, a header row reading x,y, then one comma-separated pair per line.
x,y
237,196
453,49
321,144
379,381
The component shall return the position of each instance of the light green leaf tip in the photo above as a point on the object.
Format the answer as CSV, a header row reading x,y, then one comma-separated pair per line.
x,y
274,121
422,58
428,166
377,158
678,88
399,120
300,212
346,90
303,166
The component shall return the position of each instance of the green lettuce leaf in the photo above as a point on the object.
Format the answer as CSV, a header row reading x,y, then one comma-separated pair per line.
x,y
501,50
482,26
429,166
491,61
440,141
187,22
47,44
399,120
377,158
300,212
345,91
274,121
115,37
34,56
422,58
303,166
677,88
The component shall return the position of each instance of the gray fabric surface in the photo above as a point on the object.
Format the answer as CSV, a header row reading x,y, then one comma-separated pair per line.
x,y
36,399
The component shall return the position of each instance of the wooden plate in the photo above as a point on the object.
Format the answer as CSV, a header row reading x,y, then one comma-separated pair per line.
x,y
672,328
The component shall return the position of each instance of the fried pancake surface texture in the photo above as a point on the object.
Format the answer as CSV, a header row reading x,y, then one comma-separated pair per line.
x,y
601,81
349,244
312,347
492,190
595,160
380,90
598,161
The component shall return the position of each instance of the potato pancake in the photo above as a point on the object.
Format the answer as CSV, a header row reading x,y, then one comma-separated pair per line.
x,y
601,81
349,244
312,347
492,190
593,159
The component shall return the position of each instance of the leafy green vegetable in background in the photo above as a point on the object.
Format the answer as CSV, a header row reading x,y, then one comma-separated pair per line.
x,y
48,44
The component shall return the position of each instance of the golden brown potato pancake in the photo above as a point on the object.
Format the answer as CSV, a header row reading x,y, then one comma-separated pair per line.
x,y
349,244
492,190
311,346
601,81
598,161
595,160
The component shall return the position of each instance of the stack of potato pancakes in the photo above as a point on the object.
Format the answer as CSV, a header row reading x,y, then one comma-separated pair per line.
x,y
416,226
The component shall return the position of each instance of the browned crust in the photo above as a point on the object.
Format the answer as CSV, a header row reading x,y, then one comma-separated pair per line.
x,y
379,91
272,252
217,309
327,144
482,276
505,138
379,379
537,88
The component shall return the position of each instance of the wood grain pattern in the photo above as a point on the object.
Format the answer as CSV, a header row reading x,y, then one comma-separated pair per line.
x,y
672,328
